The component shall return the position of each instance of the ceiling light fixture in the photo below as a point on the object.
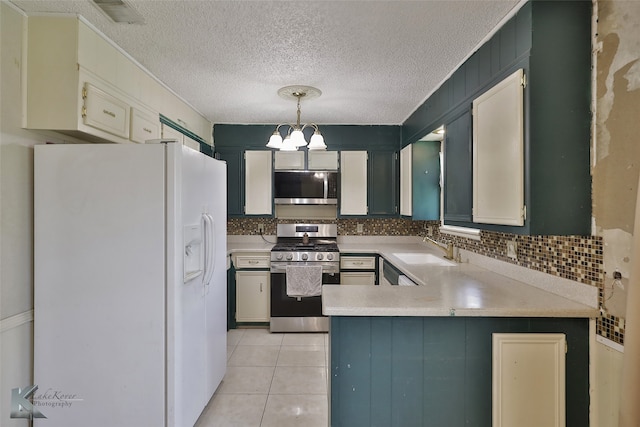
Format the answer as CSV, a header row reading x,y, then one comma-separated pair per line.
x,y
294,138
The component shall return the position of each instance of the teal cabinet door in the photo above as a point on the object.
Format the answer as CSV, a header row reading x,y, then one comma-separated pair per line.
x,y
383,182
235,179
426,180
457,172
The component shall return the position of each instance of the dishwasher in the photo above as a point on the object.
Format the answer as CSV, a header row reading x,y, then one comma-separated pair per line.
x,y
395,276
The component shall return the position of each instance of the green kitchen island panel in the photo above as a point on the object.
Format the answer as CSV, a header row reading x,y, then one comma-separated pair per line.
x,y
436,371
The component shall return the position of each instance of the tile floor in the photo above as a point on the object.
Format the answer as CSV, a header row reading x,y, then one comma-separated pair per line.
x,y
272,380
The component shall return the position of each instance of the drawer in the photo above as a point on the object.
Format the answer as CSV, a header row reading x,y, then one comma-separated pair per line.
x,y
358,278
143,126
105,112
251,261
357,263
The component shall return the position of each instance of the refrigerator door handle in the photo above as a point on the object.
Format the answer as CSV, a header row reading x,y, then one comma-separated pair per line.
x,y
210,246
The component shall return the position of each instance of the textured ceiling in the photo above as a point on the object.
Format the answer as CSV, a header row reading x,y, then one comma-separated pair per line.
x,y
374,61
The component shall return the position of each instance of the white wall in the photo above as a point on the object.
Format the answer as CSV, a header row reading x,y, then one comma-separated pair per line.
x,y
616,150
616,158
607,386
16,219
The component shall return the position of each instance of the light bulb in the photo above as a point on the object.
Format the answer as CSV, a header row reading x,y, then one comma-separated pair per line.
x,y
288,145
297,137
275,141
317,142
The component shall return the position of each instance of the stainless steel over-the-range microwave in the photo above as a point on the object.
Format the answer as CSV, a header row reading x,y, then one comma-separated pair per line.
x,y
303,187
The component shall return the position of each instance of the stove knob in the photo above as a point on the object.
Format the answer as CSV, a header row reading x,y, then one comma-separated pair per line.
x,y
319,257
289,257
305,257
279,257
329,257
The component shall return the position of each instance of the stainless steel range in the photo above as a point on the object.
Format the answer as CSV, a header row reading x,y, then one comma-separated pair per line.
x,y
302,245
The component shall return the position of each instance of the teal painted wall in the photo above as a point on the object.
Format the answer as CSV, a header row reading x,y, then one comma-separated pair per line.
x,y
551,41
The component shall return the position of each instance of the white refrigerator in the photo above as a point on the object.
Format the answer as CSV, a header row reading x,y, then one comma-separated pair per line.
x,y
130,284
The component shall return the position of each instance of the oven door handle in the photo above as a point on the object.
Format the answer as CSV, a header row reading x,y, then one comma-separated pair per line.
x,y
278,268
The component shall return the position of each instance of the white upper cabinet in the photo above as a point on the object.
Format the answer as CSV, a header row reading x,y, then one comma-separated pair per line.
x,y
191,143
353,182
144,126
292,160
80,84
170,133
322,160
257,192
498,153
406,201
104,111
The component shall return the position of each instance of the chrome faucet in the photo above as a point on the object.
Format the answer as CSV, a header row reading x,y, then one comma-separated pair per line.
x,y
448,249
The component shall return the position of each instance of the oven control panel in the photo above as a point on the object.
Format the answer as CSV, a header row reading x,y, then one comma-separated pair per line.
x,y
301,256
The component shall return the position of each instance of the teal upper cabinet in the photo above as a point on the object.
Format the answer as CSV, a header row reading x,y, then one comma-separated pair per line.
x,y
425,173
551,42
457,169
235,179
383,182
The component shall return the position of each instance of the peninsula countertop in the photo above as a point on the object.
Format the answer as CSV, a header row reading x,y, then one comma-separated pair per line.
x,y
465,289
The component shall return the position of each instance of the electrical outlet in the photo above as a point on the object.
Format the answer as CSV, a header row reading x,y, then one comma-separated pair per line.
x,y
261,228
360,228
512,249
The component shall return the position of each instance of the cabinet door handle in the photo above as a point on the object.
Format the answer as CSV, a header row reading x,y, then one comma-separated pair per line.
x,y
358,263
260,286
109,113
147,130
252,261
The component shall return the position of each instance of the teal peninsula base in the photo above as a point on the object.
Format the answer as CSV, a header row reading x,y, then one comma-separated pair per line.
x,y
436,371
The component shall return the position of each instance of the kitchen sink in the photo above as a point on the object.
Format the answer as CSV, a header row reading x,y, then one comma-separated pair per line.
x,y
422,258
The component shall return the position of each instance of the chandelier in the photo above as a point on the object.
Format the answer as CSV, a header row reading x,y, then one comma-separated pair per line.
x,y
294,138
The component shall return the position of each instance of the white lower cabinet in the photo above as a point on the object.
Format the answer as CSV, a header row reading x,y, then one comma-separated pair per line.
x,y
528,380
252,296
357,270
358,278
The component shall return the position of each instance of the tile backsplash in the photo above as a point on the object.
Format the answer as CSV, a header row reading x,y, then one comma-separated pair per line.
x,y
577,258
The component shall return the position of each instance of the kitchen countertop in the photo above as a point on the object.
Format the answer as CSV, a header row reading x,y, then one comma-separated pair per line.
x,y
462,290
466,289
238,244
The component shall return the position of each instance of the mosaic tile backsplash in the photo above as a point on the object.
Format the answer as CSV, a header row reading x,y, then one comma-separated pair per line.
x,y
577,258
